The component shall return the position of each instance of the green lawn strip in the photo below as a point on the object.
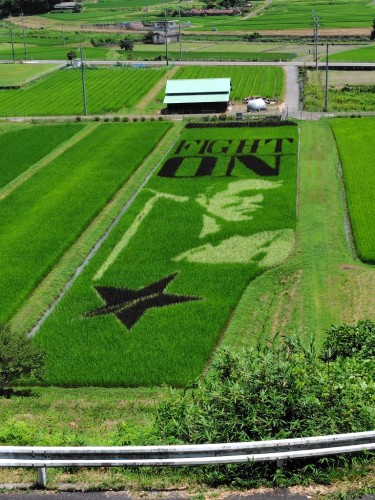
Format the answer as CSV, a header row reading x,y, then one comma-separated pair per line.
x,y
17,75
317,287
107,90
27,316
147,103
357,149
24,159
172,344
43,217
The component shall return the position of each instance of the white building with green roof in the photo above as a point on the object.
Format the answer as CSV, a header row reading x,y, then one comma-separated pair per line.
x,y
198,95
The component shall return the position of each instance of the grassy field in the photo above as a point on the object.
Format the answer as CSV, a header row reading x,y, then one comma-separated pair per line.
x,y
363,54
181,238
58,209
107,90
20,74
357,149
341,97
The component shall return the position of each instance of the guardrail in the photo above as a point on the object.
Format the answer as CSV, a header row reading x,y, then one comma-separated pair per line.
x,y
184,455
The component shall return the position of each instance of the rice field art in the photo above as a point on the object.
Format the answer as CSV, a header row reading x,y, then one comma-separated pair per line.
x,y
154,302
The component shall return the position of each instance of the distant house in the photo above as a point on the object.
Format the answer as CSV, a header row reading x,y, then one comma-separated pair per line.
x,y
65,6
202,95
158,37
212,12
162,25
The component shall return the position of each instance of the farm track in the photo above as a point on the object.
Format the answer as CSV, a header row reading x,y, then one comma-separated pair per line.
x,y
148,98
52,285
34,169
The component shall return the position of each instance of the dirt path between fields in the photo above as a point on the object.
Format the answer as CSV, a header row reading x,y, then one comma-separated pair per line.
x,y
150,97
37,167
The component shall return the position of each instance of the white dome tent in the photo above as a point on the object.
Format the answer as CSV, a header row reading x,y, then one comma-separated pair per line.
x,y
256,104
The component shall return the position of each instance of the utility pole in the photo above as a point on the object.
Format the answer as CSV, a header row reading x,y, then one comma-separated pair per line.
x,y
326,96
11,37
23,36
179,29
147,11
63,37
315,18
166,37
83,83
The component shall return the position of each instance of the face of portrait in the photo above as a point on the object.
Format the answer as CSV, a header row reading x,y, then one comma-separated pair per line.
x,y
239,201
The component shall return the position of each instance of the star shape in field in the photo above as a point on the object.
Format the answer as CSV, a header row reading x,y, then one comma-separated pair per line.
x,y
129,305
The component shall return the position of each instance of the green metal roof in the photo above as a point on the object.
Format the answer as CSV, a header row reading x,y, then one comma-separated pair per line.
x,y
197,90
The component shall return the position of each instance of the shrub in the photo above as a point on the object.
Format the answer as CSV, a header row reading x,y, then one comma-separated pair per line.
x,y
116,118
125,119
97,119
280,391
348,341
18,358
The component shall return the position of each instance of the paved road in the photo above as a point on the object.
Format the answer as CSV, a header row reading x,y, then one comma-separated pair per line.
x,y
271,495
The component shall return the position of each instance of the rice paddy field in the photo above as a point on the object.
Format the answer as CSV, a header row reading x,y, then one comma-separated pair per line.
x,y
267,81
107,90
280,15
363,54
43,216
356,148
153,302
20,74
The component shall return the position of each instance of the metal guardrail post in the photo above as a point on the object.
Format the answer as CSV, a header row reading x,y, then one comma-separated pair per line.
x,y
42,477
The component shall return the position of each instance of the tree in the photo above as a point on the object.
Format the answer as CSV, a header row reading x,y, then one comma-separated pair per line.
x,y
147,39
127,43
77,8
19,358
72,54
372,35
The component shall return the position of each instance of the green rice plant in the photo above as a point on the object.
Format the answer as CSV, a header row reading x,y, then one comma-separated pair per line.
x,y
42,218
151,305
20,149
357,150
107,90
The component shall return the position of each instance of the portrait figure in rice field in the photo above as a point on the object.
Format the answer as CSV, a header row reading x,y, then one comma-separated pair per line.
x,y
239,202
